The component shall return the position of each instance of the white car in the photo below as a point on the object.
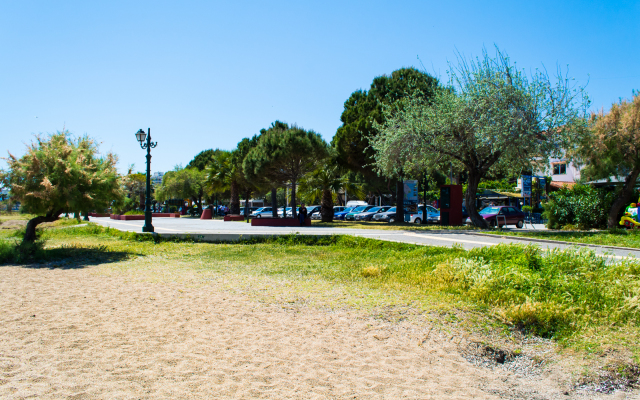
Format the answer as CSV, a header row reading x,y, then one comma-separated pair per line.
x,y
433,215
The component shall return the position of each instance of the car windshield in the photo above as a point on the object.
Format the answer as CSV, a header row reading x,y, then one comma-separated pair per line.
x,y
346,210
359,209
375,209
392,210
490,210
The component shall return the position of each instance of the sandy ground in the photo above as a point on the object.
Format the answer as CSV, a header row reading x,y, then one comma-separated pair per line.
x,y
78,335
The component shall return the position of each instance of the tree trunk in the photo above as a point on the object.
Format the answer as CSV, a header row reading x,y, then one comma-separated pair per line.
x,y
293,200
623,198
274,202
470,200
234,206
400,201
30,233
326,206
424,201
200,204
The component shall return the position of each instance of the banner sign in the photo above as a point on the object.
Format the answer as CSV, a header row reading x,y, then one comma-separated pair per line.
x,y
410,192
526,185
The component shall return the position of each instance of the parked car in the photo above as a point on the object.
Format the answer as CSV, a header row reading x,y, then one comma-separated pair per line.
x,y
360,209
367,215
388,216
501,216
262,212
251,210
433,215
310,209
340,215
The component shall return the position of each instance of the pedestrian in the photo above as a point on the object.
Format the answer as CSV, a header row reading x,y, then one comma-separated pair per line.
x,y
302,214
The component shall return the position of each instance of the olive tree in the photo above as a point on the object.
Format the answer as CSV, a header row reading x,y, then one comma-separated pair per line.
x,y
492,117
60,173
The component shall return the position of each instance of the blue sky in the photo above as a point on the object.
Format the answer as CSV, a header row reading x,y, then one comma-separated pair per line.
x,y
205,74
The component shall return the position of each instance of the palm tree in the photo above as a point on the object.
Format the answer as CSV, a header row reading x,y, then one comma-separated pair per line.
x,y
324,183
220,174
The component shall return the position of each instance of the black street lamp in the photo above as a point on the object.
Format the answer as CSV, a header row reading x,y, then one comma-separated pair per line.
x,y
141,136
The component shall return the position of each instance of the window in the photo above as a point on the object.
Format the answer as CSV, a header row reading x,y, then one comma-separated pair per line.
x,y
560,168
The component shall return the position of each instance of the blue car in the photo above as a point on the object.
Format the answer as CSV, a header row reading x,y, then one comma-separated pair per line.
x,y
360,209
340,215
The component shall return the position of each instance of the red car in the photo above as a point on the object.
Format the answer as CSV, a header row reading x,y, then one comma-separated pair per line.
x,y
501,216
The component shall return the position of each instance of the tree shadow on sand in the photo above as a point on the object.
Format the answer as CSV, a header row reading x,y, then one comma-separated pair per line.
x,y
68,257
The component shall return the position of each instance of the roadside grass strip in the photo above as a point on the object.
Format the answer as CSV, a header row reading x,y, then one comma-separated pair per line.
x,y
611,237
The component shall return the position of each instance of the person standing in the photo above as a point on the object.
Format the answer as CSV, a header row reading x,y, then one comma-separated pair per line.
x,y
302,214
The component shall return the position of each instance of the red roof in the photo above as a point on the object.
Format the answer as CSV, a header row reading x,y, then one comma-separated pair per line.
x,y
558,184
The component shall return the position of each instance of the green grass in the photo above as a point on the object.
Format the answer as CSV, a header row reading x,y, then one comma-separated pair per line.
x,y
613,237
573,297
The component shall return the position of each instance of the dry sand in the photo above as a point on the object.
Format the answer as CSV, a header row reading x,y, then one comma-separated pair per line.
x,y
78,335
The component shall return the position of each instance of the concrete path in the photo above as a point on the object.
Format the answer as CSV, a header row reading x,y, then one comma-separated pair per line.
x,y
217,230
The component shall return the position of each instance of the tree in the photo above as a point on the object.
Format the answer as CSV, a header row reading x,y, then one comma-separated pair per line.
x,y
324,183
202,159
284,154
612,149
363,109
60,173
186,183
492,117
244,185
220,173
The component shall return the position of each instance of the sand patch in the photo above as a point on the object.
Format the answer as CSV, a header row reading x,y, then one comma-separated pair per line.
x,y
74,334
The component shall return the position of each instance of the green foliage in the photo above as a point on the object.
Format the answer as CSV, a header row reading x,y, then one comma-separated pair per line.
x,y
492,118
59,173
364,108
202,159
187,183
284,154
583,206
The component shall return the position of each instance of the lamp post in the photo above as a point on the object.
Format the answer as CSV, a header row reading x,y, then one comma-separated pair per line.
x,y
141,136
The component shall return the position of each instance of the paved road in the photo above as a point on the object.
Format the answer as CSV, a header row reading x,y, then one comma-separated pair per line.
x,y
217,230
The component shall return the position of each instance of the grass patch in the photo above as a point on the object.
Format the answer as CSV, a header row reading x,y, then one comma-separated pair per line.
x,y
612,237
574,296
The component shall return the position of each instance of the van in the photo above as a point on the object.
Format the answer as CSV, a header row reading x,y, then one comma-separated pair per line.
x,y
356,203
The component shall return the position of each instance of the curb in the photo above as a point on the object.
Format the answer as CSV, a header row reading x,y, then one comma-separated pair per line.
x,y
526,239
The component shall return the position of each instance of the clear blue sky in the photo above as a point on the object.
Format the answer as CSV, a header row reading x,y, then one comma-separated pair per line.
x,y
205,74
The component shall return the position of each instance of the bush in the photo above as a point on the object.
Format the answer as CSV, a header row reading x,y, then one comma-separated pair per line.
x,y
134,213
583,206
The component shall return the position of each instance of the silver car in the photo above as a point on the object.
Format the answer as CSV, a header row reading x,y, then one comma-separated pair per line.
x,y
262,212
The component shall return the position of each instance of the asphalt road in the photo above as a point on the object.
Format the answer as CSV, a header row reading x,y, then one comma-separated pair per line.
x,y
217,230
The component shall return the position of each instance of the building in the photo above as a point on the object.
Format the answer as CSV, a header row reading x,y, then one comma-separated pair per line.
x,y
562,172
156,178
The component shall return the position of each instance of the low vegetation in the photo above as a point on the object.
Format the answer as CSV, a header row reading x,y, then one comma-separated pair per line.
x,y
574,297
611,237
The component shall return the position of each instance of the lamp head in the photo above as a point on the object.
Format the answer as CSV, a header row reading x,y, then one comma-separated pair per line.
x,y
141,136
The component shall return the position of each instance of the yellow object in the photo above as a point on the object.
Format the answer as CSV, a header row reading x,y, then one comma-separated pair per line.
x,y
629,222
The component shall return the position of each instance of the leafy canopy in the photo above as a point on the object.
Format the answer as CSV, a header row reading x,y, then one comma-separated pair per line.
x,y
365,108
492,117
60,173
284,154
